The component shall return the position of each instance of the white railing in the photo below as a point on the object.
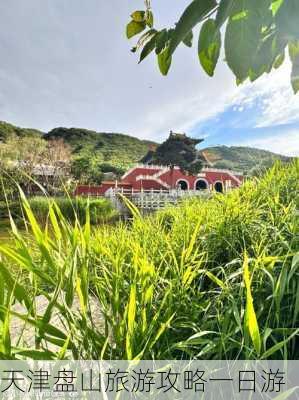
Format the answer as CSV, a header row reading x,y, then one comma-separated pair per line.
x,y
225,171
162,192
163,168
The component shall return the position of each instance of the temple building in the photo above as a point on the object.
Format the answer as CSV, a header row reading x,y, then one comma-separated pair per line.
x,y
154,177
149,176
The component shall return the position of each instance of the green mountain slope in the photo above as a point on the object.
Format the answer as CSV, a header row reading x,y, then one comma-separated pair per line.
x,y
123,151
8,130
243,159
112,148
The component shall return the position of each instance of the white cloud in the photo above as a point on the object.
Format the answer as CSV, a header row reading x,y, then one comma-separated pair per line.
x,y
72,67
286,143
278,105
180,114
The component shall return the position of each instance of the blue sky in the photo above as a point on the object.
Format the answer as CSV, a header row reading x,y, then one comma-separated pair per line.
x,y
240,124
68,63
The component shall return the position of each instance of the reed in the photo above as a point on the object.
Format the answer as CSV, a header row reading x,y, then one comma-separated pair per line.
x,y
101,210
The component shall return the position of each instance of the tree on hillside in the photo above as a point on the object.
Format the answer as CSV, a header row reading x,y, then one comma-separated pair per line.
x,y
256,34
109,168
8,131
31,158
178,150
19,156
20,151
54,165
85,169
23,152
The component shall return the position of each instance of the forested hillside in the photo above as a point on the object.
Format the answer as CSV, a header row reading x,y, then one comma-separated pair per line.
x,y
7,131
243,159
116,149
122,151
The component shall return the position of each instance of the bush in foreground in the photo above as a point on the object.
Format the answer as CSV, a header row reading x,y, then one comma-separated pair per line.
x,y
213,279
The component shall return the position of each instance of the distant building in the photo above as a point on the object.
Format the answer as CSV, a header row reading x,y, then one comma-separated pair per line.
x,y
148,176
153,177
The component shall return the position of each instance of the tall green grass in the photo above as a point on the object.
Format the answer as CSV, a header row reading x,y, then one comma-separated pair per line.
x,y
215,279
101,210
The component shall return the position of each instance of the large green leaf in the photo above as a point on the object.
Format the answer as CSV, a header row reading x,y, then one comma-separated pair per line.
x,y
224,11
275,5
149,18
294,56
164,61
287,18
242,37
279,60
133,28
145,38
263,59
209,45
193,14
248,24
148,48
294,50
161,40
270,53
188,39
138,16
295,76
259,7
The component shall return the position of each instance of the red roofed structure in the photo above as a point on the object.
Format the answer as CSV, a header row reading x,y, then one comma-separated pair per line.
x,y
153,177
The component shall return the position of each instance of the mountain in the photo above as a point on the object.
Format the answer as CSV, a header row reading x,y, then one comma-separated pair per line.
x,y
116,149
8,130
113,148
243,159
122,150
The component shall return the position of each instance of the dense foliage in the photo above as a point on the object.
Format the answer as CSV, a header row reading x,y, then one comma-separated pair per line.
x,y
258,33
115,149
7,131
178,150
214,279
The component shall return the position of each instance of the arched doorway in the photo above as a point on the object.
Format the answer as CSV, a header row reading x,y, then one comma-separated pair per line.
x,y
201,184
182,184
218,187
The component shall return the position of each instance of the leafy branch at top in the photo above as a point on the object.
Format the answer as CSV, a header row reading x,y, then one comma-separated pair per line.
x,y
256,36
